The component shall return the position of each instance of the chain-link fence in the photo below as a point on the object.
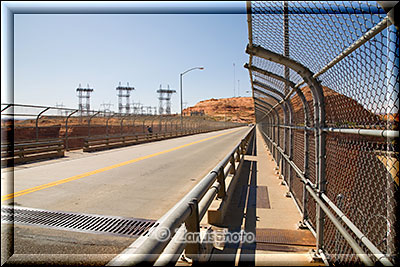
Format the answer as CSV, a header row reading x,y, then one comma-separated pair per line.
x,y
325,79
27,123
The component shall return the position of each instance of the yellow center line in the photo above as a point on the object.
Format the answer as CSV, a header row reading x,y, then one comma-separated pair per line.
x,y
86,174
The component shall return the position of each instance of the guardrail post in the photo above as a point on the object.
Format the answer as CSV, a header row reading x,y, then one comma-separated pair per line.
x,y
238,154
221,181
243,146
233,167
192,249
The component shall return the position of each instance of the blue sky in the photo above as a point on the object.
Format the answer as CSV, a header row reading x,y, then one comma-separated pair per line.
x,y
54,53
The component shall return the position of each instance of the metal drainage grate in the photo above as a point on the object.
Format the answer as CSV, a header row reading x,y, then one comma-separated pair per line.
x,y
128,227
285,237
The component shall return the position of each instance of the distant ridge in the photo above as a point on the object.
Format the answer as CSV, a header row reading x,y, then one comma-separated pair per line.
x,y
235,109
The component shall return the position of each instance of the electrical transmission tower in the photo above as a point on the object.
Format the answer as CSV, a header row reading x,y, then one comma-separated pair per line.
x,y
165,100
84,96
60,111
106,108
124,92
148,110
136,107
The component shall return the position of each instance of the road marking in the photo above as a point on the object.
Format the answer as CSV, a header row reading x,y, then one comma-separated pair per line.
x,y
86,174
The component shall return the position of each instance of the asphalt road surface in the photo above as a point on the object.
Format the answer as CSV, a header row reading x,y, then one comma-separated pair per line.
x,y
141,181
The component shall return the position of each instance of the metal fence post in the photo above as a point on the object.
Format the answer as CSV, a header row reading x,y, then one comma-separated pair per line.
x,y
392,193
152,124
122,124
306,175
338,239
321,177
133,123
37,122
89,121
269,128
107,122
66,128
144,121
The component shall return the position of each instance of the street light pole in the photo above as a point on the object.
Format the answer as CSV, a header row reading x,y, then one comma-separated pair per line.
x,y
180,86
200,68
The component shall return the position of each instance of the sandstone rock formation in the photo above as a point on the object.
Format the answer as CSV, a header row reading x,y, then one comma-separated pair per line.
x,y
235,109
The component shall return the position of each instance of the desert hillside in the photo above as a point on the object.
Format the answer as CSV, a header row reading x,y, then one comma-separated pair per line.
x,y
235,109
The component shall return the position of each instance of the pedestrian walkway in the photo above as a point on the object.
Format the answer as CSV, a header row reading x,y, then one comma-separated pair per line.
x,y
260,206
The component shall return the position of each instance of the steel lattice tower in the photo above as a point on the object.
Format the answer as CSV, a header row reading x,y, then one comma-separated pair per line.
x,y
124,92
84,96
136,107
106,108
60,111
165,100
148,110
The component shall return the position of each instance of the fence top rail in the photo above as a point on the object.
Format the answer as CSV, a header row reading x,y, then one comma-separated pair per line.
x,y
391,134
32,142
34,106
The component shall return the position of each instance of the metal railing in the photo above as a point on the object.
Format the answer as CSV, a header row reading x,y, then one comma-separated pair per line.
x,y
325,81
112,141
162,244
30,151
22,122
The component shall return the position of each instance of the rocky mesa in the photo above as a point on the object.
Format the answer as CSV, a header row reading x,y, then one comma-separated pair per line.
x,y
235,109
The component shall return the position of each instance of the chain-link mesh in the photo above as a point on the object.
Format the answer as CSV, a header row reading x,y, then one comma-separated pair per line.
x,y
359,92
28,123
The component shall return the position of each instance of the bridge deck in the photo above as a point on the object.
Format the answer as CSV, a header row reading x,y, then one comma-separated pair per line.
x,y
259,204
142,181
261,207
